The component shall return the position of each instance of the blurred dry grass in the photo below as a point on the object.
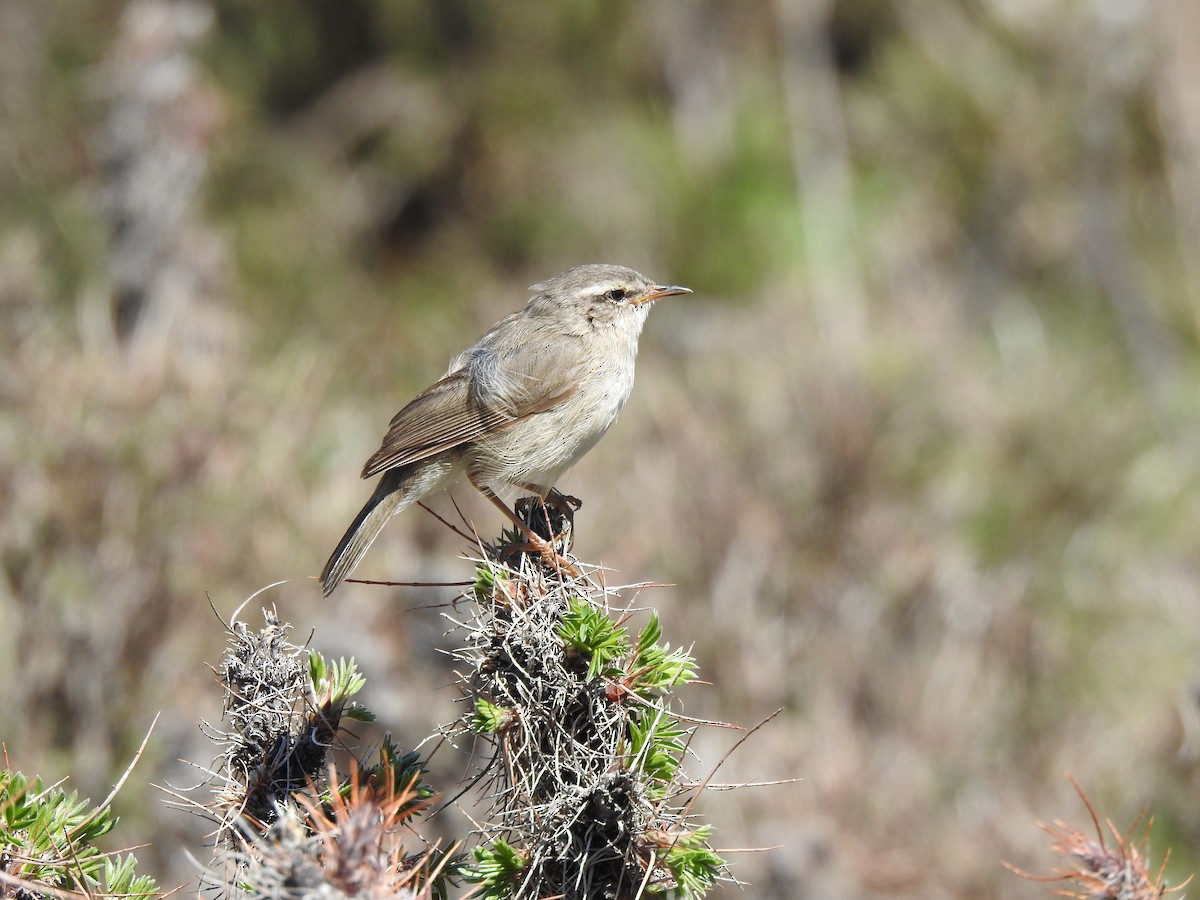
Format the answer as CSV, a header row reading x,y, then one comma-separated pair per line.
x,y
922,453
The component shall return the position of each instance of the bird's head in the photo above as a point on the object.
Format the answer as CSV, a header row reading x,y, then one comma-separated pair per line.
x,y
601,295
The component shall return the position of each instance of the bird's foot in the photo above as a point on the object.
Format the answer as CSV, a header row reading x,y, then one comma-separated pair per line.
x,y
545,526
548,530
552,519
549,556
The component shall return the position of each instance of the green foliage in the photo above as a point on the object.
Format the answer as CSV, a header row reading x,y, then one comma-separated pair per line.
x,y
406,772
655,666
48,836
489,718
407,768
656,745
487,579
582,714
497,870
302,824
122,880
597,637
651,667
49,827
655,738
692,863
334,684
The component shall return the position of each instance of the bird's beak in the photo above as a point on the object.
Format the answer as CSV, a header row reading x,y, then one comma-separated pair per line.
x,y
659,291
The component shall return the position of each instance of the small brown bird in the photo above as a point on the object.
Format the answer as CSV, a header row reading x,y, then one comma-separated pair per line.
x,y
521,406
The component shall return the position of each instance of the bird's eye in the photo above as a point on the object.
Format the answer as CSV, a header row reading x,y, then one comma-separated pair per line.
x,y
616,295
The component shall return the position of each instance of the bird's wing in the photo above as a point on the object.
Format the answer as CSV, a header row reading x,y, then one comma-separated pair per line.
x,y
492,391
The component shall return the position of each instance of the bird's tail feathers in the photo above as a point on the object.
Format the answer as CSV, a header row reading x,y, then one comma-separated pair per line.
x,y
389,498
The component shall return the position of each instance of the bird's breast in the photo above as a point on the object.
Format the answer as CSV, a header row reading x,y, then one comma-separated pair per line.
x,y
541,447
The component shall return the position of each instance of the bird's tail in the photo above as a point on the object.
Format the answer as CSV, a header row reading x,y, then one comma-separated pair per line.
x,y
389,498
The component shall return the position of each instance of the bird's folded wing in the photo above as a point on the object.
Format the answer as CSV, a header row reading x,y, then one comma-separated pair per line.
x,y
468,404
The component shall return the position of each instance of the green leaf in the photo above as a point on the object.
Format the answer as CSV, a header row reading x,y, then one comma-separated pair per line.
x,y
497,870
358,713
121,879
490,718
693,864
651,633
317,670
50,836
597,637
407,770
656,749
487,579
336,682
655,667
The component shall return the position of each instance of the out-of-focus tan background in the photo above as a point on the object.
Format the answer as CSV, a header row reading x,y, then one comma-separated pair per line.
x,y
921,455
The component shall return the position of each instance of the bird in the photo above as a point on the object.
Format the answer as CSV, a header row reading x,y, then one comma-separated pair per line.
x,y
517,408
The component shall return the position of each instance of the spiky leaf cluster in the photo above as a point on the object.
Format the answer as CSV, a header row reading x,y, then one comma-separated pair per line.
x,y
590,632
656,667
655,749
333,684
345,841
589,751
490,718
47,838
693,865
498,870
1094,869
292,825
281,717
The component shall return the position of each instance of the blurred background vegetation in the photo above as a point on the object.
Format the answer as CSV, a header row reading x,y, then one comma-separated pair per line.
x,y
921,455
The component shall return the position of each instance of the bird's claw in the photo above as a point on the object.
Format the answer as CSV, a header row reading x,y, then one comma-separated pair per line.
x,y
549,519
549,556
550,526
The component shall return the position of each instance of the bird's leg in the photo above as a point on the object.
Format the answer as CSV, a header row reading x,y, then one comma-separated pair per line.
x,y
550,556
